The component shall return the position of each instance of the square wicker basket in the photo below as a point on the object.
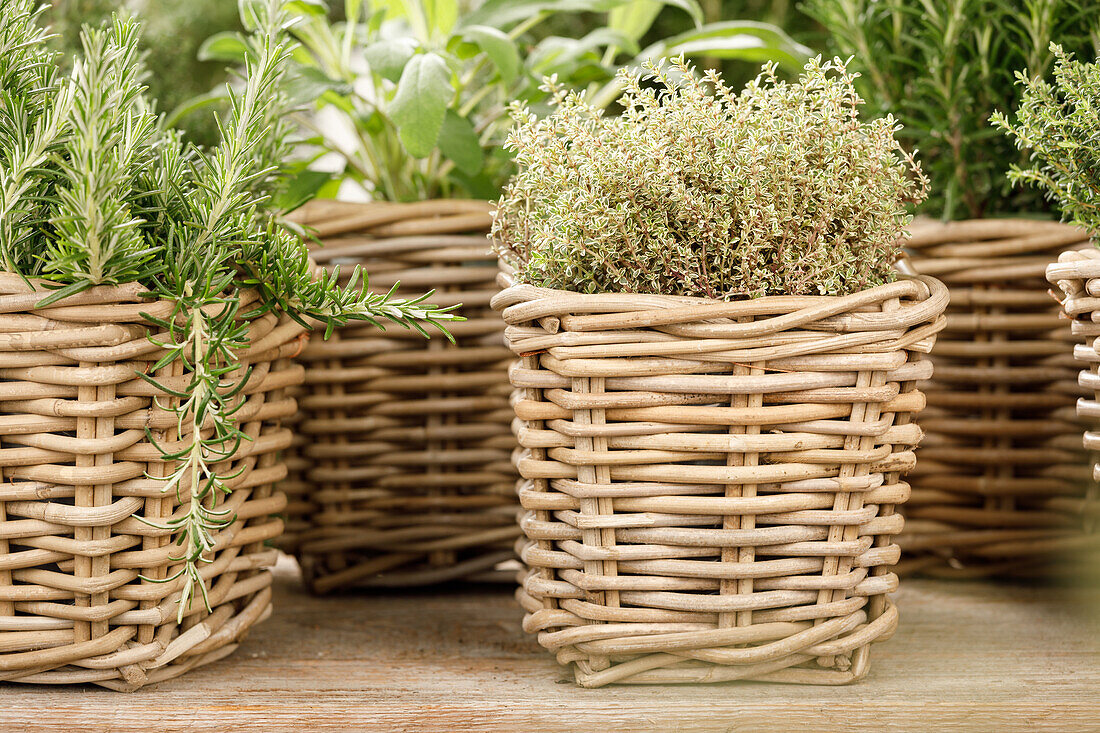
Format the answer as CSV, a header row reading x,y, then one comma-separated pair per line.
x,y
710,488
78,491
1003,480
401,472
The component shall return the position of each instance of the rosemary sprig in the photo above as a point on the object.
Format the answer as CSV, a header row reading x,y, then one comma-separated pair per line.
x,y
93,189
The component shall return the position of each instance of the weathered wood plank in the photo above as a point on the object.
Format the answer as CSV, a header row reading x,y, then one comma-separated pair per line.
x,y
968,656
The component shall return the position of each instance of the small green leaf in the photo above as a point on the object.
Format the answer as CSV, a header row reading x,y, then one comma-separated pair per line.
x,y
738,39
194,104
691,7
310,85
481,186
635,18
504,13
420,104
308,7
442,16
500,49
301,187
458,141
225,46
388,58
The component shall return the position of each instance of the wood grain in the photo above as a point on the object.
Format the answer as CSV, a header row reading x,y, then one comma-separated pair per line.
x,y
968,656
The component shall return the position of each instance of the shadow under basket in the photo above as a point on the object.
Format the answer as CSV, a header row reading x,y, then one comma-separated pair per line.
x,y
404,464
79,491
710,488
1003,478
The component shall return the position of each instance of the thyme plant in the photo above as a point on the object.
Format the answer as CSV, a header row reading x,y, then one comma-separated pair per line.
x,y
942,67
95,191
696,190
1059,123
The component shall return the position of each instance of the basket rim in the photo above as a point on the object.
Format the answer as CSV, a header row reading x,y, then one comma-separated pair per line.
x,y
520,303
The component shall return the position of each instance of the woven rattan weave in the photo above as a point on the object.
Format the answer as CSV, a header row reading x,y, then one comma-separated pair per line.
x,y
407,478
710,488
1077,276
1002,471
77,481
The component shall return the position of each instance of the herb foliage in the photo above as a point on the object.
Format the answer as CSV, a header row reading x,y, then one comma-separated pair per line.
x,y
95,191
1058,123
943,67
413,94
696,190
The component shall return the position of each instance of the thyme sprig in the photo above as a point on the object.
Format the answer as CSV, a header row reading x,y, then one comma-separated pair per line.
x,y
95,190
1058,124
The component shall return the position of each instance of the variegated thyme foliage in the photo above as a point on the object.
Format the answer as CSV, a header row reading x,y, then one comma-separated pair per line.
x,y
1060,123
696,190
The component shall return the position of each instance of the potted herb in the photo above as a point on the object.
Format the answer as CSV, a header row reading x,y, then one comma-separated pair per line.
x,y
716,385
151,304
1057,121
1001,435
406,475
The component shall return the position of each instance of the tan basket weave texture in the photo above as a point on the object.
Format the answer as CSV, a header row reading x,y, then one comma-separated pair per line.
x,y
1077,276
1002,471
77,482
710,488
406,450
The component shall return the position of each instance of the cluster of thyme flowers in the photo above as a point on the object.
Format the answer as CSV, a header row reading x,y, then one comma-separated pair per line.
x,y
696,190
1060,124
96,190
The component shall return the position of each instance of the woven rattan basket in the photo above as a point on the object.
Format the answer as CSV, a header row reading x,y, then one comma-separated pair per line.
x,y
1077,276
77,482
405,465
1002,471
710,488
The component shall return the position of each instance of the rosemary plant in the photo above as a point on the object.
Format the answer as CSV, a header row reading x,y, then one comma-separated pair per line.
x,y
696,190
172,32
94,191
1059,123
942,67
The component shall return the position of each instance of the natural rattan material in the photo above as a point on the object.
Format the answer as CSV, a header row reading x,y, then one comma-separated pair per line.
x,y
77,482
1077,276
710,488
406,474
1002,472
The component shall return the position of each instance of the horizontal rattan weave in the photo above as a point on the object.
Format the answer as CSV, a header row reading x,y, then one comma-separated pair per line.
x,y
1002,471
405,474
710,488
1077,276
74,459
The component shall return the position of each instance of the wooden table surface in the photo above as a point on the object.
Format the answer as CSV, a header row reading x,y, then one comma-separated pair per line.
x,y
967,656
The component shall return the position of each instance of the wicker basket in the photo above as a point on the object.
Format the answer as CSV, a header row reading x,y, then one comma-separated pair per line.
x,y
1002,471
710,488
1077,275
407,473
77,469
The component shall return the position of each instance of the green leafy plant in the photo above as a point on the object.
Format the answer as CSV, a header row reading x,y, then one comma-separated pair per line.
x,y
1059,125
93,191
412,94
942,67
695,190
